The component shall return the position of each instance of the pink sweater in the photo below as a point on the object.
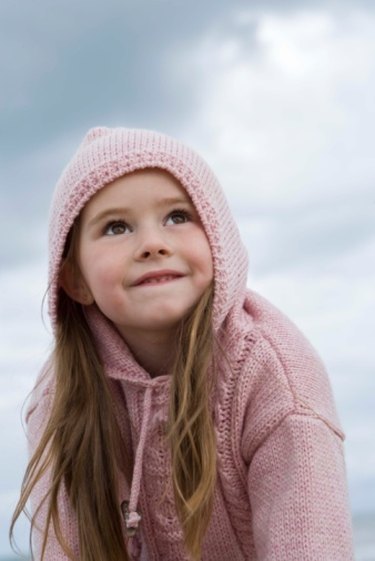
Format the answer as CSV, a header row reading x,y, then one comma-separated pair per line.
x,y
281,491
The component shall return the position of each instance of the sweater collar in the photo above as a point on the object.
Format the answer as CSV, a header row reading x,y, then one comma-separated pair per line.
x,y
117,358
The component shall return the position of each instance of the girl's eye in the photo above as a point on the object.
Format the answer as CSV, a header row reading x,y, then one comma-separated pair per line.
x,y
116,228
178,217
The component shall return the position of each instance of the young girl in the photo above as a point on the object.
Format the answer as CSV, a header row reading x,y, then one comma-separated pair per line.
x,y
180,416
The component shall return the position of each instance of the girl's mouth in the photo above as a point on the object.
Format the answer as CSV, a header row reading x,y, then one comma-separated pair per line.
x,y
157,277
159,280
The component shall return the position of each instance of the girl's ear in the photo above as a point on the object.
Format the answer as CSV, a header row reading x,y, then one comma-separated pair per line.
x,y
74,285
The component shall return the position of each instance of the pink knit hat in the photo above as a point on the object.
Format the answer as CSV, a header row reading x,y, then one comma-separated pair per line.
x,y
108,153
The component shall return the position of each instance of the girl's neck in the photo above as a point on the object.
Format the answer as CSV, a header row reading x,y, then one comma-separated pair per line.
x,y
153,351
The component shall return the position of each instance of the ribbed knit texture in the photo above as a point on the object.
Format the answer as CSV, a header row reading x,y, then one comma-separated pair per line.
x,y
281,493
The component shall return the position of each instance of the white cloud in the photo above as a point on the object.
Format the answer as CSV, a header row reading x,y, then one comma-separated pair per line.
x,y
286,105
339,238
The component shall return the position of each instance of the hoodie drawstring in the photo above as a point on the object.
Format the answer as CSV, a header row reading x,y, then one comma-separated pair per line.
x,y
132,517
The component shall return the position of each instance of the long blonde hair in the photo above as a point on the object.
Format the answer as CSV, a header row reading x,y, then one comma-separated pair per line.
x,y
80,443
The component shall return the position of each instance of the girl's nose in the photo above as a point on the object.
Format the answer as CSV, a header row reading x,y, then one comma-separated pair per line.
x,y
153,244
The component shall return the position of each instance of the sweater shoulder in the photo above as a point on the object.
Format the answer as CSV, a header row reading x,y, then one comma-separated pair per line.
x,y
280,341
280,373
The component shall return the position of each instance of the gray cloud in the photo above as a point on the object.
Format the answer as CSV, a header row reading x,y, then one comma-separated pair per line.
x,y
71,63
68,64
307,238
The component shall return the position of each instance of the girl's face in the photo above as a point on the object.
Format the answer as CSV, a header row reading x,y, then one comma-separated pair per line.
x,y
143,255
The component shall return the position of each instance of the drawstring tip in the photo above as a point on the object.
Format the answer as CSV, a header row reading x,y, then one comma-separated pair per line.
x,y
132,519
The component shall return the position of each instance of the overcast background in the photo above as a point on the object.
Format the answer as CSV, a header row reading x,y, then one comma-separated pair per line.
x,y
279,99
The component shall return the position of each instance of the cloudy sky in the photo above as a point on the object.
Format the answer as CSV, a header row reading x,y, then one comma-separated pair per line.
x,y
278,98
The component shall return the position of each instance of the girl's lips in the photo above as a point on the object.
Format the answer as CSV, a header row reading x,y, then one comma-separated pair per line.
x,y
158,280
157,277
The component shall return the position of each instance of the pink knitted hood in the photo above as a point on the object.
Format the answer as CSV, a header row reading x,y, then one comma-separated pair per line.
x,y
108,153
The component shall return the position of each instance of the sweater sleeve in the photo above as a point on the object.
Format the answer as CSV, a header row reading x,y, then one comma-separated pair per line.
x,y
36,418
298,493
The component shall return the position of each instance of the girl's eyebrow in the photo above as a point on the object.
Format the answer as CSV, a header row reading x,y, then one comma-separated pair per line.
x,y
104,213
124,210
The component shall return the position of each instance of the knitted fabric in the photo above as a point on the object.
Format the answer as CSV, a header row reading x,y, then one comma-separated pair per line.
x,y
281,491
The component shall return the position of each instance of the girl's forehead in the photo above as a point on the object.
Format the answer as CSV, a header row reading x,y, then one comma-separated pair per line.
x,y
153,185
